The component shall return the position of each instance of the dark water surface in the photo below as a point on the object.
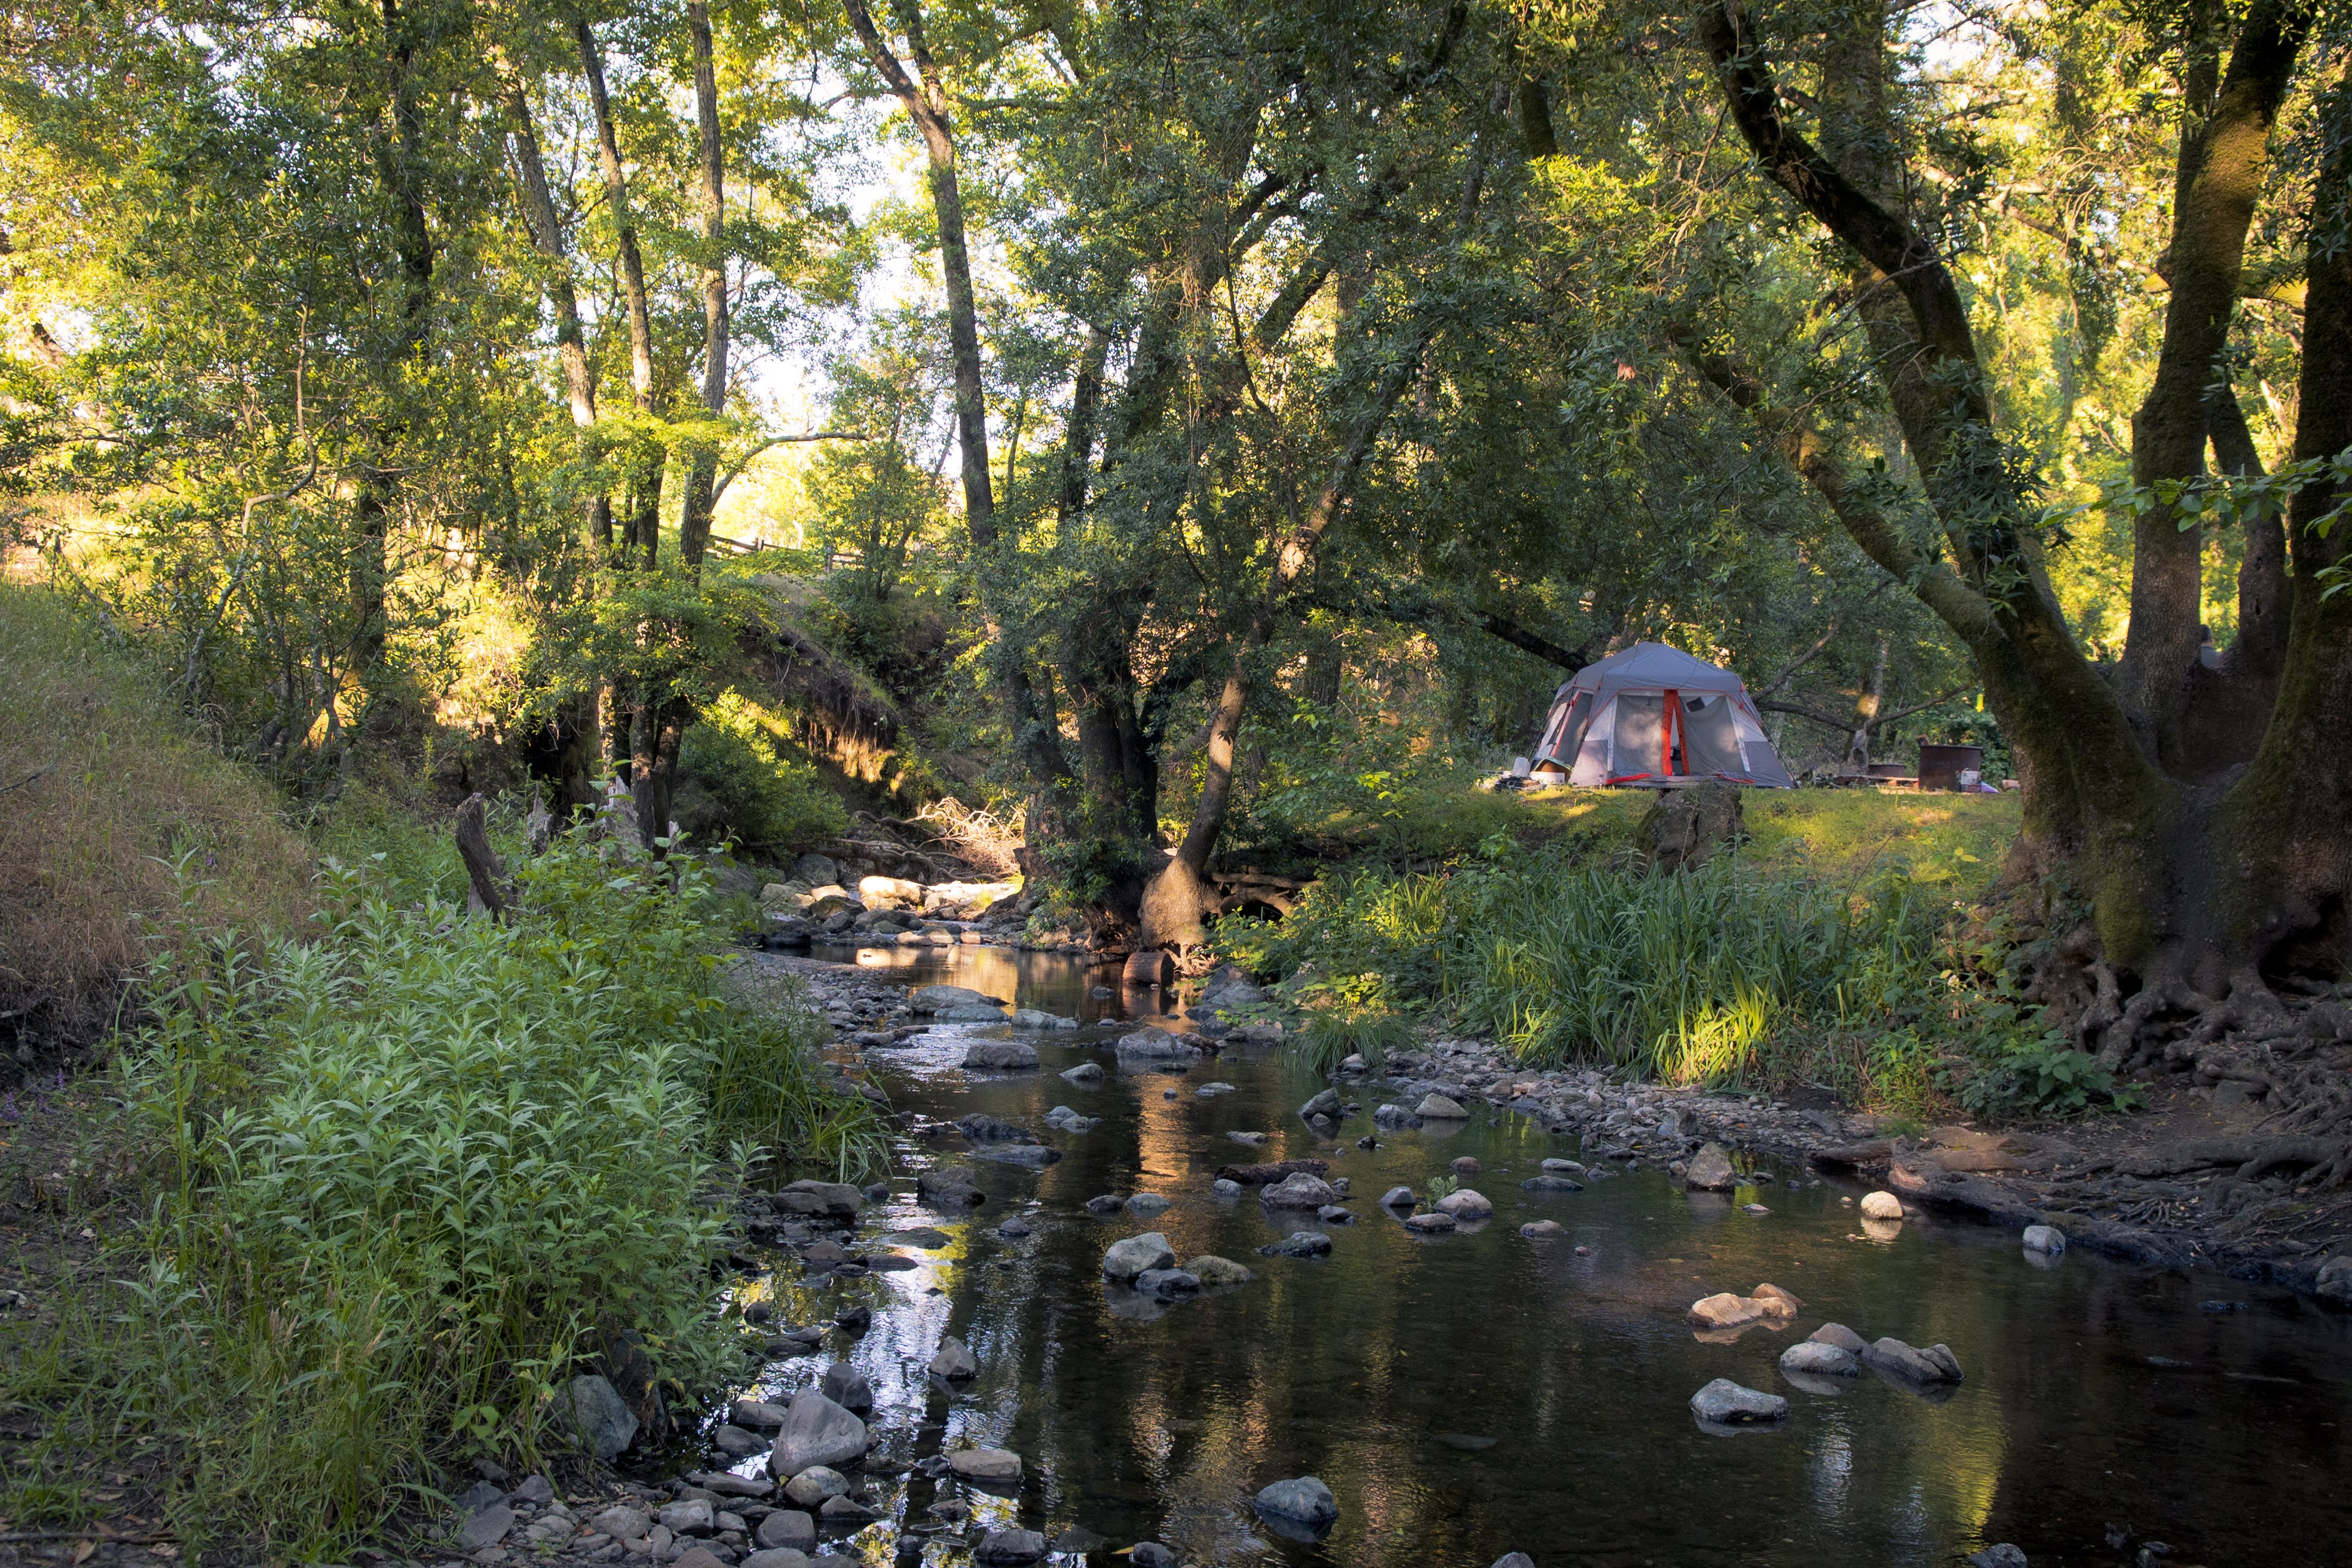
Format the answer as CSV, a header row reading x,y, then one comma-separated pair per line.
x,y
1472,1394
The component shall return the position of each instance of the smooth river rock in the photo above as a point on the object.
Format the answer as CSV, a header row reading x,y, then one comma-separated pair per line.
x,y
1723,1402
1399,1198
1210,1269
1298,1244
1000,1055
1128,1258
1881,1206
1438,1107
817,1485
1838,1334
788,1530
1302,1501
1821,1360
993,1467
2047,1239
1936,1363
816,1431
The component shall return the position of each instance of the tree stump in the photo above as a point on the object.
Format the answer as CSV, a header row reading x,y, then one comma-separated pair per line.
x,y
1149,967
1684,828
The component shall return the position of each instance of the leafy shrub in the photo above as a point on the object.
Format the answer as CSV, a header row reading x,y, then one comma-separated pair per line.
x,y
2040,1075
1349,1015
772,800
418,1169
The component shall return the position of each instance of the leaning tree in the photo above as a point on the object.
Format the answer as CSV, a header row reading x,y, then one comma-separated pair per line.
x,y
2201,810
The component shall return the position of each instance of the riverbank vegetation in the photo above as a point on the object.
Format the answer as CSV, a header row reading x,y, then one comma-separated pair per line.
x,y
376,1176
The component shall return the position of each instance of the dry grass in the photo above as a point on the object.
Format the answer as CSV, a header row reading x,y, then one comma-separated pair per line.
x,y
102,785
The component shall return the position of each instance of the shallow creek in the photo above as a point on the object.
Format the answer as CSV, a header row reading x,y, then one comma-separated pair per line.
x,y
1476,1393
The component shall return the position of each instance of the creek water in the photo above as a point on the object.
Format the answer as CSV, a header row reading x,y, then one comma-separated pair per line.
x,y
1473,1395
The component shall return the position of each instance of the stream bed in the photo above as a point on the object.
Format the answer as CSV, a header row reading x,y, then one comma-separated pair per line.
x,y
1472,1394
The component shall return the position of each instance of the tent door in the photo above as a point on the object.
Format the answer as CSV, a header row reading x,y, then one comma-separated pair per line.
x,y
1710,737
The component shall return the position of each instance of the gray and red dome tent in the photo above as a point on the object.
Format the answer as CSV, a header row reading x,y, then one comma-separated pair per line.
x,y
1653,717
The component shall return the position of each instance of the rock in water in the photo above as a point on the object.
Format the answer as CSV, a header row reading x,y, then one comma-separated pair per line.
x,y
816,1431
1167,1283
599,1417
817,1485
1723,1402
1000,1055
1432,1222
1034,1018
1298,1190
1937,1364
1210,1269
1009,1548
1821,1360
993,1467
1085,1072
1710,1170
1882,1205
1465,1205
1298,1244
1128,1258
2043,1238
1684,828
1438,1107
950,1186
1838,1334
2002,1555
1398,1198
787,1530
1551,1184
1150,1044
1324,1104
1515,1559
1302,1501
2335,1278
935,999
1725,1310
1542,1229
955,1360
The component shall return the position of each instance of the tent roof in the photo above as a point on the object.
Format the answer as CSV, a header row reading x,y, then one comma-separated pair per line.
x,y
1649,666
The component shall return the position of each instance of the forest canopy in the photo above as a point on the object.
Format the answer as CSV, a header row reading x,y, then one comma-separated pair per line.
x,y
1177,428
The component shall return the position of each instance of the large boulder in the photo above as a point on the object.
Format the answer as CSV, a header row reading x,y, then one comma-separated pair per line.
x,y
598,1418
1723,1402
1128,1258
816,1431
1684,828
816,870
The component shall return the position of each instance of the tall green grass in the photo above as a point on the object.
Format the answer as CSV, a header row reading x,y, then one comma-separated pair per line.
x,y
1725,976
412,1173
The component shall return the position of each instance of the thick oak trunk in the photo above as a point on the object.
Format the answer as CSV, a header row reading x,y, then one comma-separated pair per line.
x,y
2198,885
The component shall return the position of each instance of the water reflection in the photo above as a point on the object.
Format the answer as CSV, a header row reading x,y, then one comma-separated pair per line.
x,y
2094,1391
